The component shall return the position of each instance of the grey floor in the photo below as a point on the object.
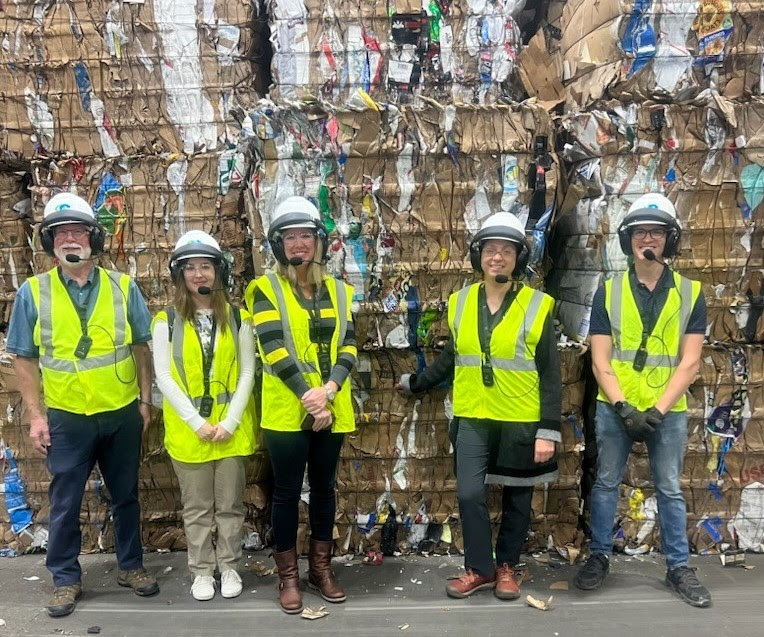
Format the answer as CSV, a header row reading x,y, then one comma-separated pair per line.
x,y
403,596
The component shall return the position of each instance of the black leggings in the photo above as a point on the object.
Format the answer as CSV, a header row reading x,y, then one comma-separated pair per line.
x,y
290,451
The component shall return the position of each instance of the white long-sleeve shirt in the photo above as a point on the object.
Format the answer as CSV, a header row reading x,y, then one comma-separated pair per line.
x,y
178,398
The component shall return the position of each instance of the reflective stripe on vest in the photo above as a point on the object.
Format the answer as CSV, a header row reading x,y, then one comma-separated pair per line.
x,y
342,308
46,329
643,388
517,364
616,304
515,395
106,379
178,342
282,409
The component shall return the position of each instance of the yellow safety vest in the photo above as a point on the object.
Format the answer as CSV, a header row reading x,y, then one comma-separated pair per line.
x,y
644,389
282,410
187,367
106,379
515,395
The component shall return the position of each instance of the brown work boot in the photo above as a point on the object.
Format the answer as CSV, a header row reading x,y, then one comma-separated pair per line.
x,y
469,583
64,600
320,573
506,583
290,596
140,581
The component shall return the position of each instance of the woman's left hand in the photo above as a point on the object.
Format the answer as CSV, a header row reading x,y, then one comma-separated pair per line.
x,y
221,434
314,400
544,450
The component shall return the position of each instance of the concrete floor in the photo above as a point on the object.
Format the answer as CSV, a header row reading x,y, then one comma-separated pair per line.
x,y
384,599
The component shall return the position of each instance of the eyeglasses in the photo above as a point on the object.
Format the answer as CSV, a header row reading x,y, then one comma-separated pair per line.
x,y
74,233
291,237
506,253
201,268
655,233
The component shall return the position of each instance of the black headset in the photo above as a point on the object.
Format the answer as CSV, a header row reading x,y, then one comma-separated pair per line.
x,y
646,216
496,232
290,220
96,238
199,250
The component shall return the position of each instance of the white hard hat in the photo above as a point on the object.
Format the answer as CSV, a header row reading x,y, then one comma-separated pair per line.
x,y
294,212
502,225
651,208
196,243
66,207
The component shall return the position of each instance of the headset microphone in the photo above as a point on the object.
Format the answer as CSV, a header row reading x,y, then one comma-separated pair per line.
x,y
204,290
649,255
297,261
76,258
501,279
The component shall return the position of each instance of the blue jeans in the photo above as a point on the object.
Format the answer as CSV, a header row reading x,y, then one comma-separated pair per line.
x,y
665,449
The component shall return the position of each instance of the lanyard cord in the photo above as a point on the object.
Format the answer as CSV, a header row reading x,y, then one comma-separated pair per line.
x,y
81,311
207,355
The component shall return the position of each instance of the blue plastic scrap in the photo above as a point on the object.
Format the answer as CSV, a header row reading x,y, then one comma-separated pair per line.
x,y
639,38
19,511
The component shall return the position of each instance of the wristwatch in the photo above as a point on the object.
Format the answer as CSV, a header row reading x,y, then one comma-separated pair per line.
x,y
620,406
330,393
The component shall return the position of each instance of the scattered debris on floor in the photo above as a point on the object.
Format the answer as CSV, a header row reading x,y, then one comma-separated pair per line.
x,y
538,603
309,613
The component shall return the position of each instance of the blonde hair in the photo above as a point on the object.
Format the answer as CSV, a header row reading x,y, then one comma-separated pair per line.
x,y
184,302
316,274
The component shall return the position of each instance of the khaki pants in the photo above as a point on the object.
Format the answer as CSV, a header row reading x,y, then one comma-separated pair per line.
x,y
212,493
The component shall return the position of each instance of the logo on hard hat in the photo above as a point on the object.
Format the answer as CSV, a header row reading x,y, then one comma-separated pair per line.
x,y
62,206
653,205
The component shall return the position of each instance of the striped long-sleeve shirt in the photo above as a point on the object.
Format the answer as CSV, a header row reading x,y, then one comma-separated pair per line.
x,y
271,337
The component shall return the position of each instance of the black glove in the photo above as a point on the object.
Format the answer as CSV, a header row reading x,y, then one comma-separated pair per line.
x,y
654,417
637,426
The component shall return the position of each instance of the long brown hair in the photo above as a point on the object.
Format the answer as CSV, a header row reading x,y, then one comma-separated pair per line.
x,y
184,303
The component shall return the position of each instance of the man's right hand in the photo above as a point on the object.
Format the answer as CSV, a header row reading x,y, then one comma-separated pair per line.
x,y
40,434
206,432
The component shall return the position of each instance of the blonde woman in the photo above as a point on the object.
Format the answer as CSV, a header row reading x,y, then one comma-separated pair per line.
x,y
204,356
307,343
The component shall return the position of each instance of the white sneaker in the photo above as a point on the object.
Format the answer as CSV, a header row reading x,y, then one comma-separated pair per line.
x,y
203,588
230,583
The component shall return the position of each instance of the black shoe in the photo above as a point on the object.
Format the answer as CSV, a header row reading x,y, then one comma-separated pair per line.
x,y
684,581
591,575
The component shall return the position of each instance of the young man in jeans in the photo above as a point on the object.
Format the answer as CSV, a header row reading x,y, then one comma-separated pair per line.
x,y
647,332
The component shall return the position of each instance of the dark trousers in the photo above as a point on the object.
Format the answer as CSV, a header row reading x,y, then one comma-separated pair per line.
x,y
473,449
290,452
113,440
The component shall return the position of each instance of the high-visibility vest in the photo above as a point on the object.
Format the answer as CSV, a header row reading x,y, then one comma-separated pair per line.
x,y
514,395
187,367
282,410
107,378
644,388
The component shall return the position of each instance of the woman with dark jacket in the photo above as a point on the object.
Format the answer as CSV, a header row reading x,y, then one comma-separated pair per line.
x,y
507,402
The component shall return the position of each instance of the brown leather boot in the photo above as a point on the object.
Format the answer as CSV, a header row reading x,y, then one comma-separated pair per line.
x,y
290,596
320,573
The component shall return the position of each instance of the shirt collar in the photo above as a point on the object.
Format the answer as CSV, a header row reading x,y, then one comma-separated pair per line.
x,y
666,280
69,280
